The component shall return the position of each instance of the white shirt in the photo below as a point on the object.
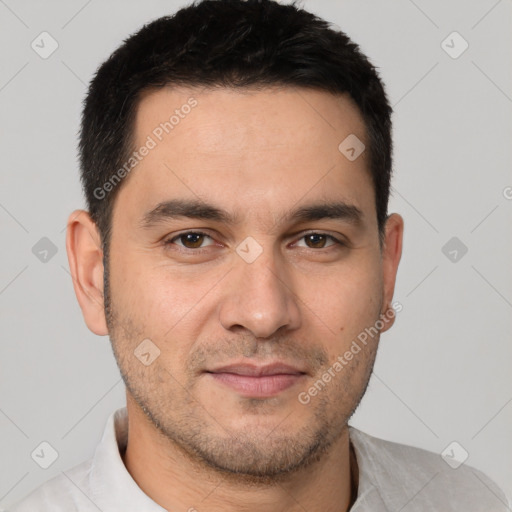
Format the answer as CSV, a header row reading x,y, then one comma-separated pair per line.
x,y
392,477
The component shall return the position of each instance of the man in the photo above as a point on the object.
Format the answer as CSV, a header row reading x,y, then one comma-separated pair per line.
x,y
236,160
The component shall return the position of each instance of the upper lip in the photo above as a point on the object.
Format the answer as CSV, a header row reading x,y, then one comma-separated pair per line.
x,y
252,370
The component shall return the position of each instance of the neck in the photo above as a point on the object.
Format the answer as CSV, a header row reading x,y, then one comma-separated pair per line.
x,y
175,481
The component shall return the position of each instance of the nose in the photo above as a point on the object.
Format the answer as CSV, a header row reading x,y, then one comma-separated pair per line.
x,y
260,298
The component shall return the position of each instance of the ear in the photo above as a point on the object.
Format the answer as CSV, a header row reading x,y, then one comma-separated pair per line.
x,y
85,257
391,254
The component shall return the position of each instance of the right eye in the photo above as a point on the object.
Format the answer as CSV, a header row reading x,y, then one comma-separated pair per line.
x,y
189,240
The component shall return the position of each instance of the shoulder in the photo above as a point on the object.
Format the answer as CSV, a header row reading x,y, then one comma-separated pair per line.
x,y
406,476
66,492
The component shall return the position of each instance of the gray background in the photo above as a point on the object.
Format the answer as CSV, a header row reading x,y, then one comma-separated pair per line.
x,y
443,371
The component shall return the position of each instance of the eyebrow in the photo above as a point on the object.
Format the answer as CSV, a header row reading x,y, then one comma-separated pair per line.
x,y
194,209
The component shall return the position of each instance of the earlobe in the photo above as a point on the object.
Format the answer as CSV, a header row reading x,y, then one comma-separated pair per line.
x,y
85,257
392,252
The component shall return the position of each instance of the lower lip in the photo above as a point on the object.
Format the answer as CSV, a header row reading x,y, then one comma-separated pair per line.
x,y
258,387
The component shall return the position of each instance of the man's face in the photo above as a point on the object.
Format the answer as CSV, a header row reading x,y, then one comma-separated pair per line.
x,y
223,300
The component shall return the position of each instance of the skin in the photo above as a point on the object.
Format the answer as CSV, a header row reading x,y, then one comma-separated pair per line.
x,y
194,442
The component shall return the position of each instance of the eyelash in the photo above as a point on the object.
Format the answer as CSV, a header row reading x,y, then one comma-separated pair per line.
x,y
199,250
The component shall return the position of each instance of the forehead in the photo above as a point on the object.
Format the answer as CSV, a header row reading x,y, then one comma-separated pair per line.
x,y
251,117
238,145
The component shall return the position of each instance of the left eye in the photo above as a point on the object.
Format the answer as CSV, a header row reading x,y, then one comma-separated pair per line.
x,y
194,240
319,239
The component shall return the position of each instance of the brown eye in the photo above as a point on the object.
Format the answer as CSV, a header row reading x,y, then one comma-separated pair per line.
x,y
319,240
316,240
189,240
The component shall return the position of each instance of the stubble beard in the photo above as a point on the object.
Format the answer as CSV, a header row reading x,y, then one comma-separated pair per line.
x,y
249,457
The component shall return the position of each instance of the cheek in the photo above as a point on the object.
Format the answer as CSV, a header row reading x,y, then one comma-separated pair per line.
x,y
155,292
171,303
349,298
170,306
